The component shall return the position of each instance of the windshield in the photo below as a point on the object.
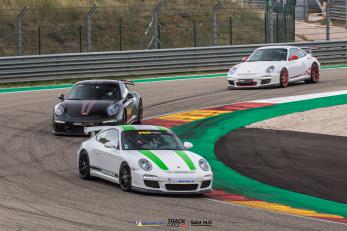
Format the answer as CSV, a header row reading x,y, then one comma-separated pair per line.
x,y
95,92
276,54
150,140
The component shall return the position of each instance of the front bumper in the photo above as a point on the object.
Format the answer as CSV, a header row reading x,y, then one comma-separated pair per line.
x,y
253,81
173,183
75,126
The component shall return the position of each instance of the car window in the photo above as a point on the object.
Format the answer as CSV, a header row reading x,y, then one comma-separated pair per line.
x,y
300,53
101,137
268,54
90,91
150,140
112,136
297,52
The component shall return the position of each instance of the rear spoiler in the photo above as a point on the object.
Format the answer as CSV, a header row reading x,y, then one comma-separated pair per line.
x,y
128,82
311,48
93,130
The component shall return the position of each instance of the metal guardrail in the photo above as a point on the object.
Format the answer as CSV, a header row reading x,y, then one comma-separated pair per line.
x,y
146,62
339,10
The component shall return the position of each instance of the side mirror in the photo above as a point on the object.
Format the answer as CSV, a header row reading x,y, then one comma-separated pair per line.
x,y
61,97
130,96
110,145
187,145
245,58
293,57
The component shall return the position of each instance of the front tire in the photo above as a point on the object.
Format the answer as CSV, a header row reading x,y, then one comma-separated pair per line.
x,y
125,177
139,113
314,74
284,78
84,166
124,118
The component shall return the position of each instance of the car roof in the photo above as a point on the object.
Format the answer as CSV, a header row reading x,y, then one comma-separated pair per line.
x,y
142,127
278,47
136,127
99,81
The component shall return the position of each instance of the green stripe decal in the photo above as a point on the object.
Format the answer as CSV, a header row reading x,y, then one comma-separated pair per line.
x,y
128,128
186,159
162,128
150,155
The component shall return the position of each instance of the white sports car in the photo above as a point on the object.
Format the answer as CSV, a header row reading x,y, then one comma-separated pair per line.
x,y
143,158
274,65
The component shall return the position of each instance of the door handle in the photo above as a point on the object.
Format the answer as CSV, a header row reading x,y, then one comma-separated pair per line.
x,y
98,153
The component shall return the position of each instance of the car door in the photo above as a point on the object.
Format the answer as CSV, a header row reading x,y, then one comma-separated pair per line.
x,y
97,148
110,158
303,61
296,66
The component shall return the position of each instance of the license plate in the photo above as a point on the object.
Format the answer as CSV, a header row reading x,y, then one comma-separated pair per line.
x,y
182,181
84,124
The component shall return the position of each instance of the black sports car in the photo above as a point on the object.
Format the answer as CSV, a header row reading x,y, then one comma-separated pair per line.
x,y
96,103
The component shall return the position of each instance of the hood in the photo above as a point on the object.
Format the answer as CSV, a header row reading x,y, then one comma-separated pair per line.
x,y
170,160
78,108
248,68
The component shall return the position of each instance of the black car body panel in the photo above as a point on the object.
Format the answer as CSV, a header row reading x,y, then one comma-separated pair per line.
x,y
93,111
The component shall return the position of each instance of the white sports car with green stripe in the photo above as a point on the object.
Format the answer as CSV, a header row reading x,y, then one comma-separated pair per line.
x,y
143,158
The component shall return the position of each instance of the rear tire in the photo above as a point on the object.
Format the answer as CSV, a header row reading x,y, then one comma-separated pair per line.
x,y
84,166
314,74
125,177
284,78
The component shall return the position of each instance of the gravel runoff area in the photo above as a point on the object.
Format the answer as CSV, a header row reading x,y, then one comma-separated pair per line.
x,y
329,121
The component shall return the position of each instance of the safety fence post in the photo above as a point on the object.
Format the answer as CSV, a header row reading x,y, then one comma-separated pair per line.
x,y
19,32
120,34
194,33
214,22
80,38
89,26
231,30
39,40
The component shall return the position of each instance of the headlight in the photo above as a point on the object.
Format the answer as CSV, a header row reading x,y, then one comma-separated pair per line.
x,y
232,70
145,164
270,69
113,110
204,165
59,110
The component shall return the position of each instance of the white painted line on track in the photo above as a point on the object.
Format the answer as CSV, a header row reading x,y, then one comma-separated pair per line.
x,y
295,98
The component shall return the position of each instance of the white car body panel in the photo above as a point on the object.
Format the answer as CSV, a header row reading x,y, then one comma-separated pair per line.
x,y
105,163
298,70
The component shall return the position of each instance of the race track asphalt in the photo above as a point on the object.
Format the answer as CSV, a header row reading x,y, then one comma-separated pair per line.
x,y
40,188
312,164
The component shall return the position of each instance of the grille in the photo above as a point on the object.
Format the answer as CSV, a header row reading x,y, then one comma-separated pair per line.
x,y
205,184
265,81
75,129
231,82
246,83
151,183
181,187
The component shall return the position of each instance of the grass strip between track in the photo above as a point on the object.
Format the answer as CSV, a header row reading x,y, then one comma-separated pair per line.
x,y
144,80
206,132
